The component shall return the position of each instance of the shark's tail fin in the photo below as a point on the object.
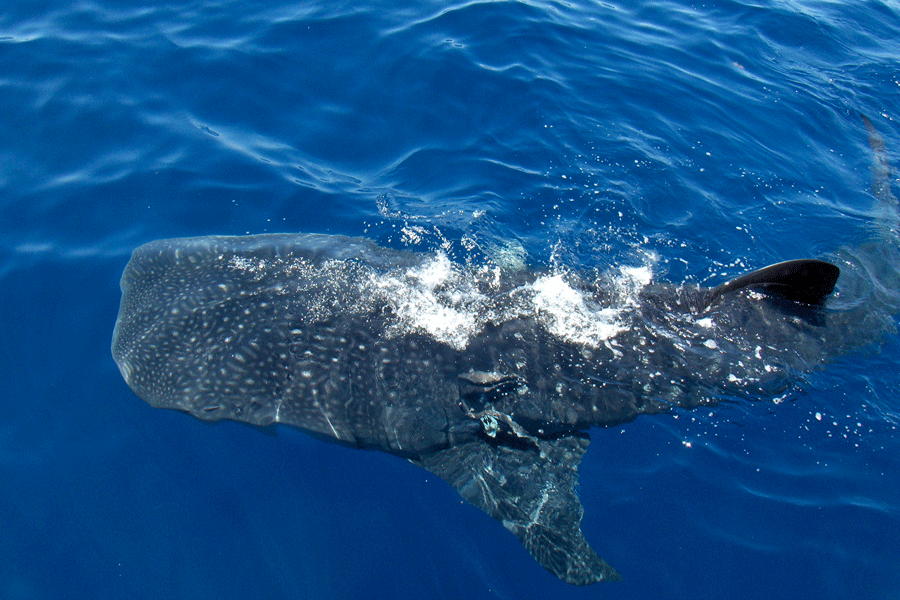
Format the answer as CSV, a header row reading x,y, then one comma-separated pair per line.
x,y
887,207
881,167
807,281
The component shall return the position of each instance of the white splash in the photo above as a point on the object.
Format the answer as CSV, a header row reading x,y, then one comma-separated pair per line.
x,y
442,299
566,315
435,273
630,282
433,298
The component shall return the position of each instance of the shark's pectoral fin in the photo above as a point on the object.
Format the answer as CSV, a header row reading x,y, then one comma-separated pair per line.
x,y
807,281
529,488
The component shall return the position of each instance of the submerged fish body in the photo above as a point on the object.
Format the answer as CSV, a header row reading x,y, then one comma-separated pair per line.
x,y
486,377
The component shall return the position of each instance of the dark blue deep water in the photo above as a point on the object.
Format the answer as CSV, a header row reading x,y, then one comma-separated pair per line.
x,y
720,136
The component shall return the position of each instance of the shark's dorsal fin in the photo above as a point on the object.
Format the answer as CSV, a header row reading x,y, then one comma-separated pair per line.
x,y
807,281
531,490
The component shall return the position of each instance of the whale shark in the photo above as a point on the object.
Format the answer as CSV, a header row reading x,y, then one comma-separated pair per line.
x,y
488,377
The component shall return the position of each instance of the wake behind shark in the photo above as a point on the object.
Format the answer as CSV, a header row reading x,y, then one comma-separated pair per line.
x,y
486,377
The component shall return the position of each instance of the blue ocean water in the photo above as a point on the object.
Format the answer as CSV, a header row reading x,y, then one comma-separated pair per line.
x,y
719,137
